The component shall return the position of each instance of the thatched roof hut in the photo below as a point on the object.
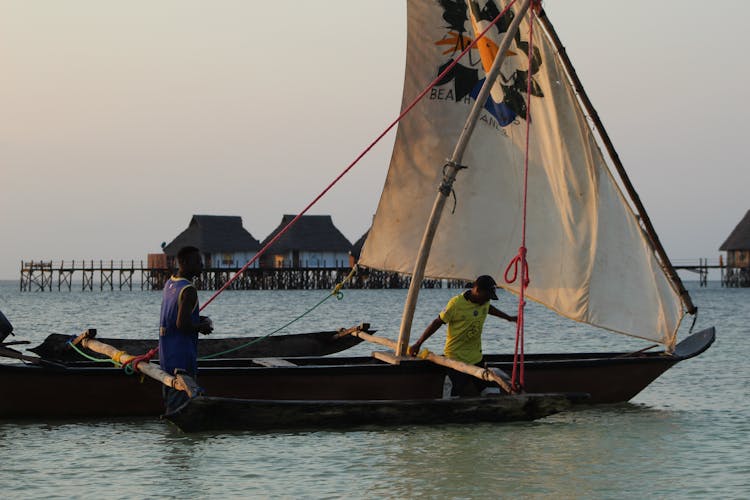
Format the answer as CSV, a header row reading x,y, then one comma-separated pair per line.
x,y
222,240
314,241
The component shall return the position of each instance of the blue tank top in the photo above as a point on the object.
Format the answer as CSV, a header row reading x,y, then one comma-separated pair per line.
x,y
177,349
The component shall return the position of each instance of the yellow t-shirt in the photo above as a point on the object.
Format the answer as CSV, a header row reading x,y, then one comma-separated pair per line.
x,y
465,320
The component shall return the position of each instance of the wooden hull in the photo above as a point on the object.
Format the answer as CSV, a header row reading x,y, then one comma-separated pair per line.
x,y
222,414
94,391
607,379
55,348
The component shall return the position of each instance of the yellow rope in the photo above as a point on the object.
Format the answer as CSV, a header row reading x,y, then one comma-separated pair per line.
x,y
338,287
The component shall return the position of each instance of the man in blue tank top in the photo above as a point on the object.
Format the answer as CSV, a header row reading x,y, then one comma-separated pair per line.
x,y
180,324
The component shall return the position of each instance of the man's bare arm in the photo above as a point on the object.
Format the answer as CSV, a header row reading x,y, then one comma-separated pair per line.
x,y
431,328
494,311
188,302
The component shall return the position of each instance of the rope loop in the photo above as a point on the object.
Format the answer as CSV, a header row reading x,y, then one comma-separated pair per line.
x,y
519,259
446,185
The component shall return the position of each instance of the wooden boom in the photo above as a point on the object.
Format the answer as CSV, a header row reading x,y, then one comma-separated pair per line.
x,y
180,382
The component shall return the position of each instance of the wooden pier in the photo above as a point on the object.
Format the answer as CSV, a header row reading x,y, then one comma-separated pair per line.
x,y
90,275
731,276
701,269
46,275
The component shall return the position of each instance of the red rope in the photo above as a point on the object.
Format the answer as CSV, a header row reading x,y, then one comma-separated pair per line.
x,y
517,376
359,157
133,362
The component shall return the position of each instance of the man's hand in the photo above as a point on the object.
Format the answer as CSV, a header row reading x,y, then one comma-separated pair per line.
x,y
205,326
513,319
432,328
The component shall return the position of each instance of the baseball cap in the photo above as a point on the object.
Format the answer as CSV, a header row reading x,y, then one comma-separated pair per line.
x,y
485,282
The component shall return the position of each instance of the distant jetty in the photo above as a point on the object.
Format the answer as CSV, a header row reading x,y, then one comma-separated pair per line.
x,y
101,275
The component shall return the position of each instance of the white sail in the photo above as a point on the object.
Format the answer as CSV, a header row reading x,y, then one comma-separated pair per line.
x,y
588,257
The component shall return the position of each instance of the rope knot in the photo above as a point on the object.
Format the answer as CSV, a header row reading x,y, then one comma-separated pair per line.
x,y
131,365
520,258
337,289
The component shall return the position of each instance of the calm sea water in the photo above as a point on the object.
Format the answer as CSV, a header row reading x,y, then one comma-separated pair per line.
x,y
687,435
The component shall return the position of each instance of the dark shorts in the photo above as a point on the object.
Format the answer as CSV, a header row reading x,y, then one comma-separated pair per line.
x,y
465,385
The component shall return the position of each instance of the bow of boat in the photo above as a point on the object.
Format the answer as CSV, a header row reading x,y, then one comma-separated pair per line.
x,y
695,344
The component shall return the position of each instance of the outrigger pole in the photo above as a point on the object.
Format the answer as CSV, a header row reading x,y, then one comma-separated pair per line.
x,y
179,382
487,374
648,227
449,177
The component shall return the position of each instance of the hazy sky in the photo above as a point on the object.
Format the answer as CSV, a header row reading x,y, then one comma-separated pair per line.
x,y
119,120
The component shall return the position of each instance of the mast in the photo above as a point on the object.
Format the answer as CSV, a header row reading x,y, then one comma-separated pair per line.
x,y
452,167
648,227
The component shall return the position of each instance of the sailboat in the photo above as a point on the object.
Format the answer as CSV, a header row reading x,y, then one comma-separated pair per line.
x,y
593,254
509,117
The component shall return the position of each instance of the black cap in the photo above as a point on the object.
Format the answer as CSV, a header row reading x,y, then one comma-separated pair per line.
x,y
485,282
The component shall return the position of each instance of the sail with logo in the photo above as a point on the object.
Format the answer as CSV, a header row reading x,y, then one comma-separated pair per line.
x,y
589,256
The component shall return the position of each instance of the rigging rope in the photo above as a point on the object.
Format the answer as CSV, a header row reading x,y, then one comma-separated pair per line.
x,y
128,366
406,110
517,376
336,292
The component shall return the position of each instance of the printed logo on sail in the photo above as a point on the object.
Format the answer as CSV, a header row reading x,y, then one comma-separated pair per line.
x,y
507,100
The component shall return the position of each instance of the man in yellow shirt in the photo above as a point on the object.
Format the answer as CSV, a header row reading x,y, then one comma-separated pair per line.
x,y
465,315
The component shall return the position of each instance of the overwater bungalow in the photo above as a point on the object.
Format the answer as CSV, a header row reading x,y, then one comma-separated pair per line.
x,y
222,239
737,247
313,242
